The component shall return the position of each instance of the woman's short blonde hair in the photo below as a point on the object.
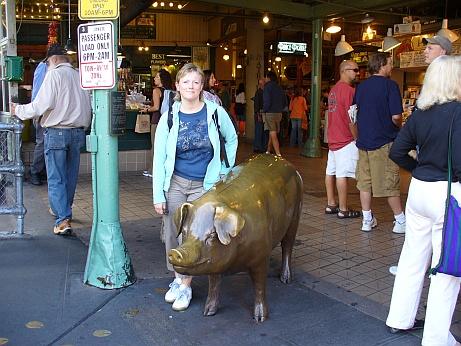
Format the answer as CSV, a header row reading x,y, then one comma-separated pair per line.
x,y
188,68
442,82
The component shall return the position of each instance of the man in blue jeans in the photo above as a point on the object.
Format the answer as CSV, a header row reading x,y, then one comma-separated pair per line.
x,y
66,113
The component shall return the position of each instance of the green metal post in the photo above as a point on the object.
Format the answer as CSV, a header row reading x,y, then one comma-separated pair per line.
x,y
312,147
108,263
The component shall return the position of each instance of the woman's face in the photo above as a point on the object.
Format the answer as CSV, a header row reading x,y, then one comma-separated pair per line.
x,y
157,80
212,80
190,86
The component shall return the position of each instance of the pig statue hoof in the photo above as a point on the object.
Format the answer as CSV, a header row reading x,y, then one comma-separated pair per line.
x,y
260,313
285,278
211,308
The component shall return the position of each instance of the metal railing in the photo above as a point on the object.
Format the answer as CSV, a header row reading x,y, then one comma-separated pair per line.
x,y
11,170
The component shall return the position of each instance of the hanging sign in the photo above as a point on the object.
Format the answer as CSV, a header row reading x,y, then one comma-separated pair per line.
x,y
98,9
296,48
96,55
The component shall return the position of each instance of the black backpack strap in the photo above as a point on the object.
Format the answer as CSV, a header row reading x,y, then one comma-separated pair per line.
x,y
222,141
170,109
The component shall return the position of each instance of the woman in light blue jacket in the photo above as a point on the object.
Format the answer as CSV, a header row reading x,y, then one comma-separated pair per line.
x,y
187,162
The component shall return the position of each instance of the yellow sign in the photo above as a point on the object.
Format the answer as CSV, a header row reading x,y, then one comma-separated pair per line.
x,y
98,9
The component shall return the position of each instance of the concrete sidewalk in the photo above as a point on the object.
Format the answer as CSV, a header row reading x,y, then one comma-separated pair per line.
x,y
44,302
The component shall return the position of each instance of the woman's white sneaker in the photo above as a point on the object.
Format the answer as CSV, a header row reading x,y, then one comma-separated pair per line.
x,y
184,297
393,270
173,292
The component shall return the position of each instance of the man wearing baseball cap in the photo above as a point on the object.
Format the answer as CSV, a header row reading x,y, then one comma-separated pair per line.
x,y
435,47
65,112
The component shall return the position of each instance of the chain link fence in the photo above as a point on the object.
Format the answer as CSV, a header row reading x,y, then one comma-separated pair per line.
x,y
11,171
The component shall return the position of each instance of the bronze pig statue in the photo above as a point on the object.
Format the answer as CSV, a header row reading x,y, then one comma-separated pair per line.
x,y
236,224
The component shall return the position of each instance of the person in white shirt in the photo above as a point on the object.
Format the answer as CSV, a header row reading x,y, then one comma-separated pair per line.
x,y
66,113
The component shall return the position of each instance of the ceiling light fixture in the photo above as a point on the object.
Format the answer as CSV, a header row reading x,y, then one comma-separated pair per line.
x,y
333,28
343,47
226,57
367,19
445,32
390,42
69,47
266,19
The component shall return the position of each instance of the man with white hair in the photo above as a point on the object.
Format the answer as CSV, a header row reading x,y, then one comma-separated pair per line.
x,y
66,113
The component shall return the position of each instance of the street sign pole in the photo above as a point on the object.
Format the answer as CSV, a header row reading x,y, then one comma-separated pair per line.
x,y
108,263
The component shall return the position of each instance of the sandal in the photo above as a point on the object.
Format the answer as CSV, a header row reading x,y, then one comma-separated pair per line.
x,y
348,214
331,209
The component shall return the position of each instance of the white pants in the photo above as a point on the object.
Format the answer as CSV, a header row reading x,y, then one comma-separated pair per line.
x,y
423,238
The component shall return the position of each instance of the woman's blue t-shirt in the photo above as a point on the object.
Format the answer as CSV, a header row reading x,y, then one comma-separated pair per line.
x,y
193,148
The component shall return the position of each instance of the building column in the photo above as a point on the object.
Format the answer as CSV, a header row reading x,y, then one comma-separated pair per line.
x,y
254,69
312,147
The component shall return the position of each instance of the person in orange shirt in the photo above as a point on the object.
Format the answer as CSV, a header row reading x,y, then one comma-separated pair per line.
x,y
298,108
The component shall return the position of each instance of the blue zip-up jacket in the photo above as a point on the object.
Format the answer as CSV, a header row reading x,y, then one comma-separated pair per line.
x,y
165,149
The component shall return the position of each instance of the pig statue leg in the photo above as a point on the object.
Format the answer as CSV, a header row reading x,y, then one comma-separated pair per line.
x,y
259,276
288,242
212,301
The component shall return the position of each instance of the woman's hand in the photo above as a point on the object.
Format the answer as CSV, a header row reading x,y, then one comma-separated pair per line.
x,y
160,208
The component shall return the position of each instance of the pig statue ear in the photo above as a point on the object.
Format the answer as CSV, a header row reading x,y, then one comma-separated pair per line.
x,y
179,217
228,223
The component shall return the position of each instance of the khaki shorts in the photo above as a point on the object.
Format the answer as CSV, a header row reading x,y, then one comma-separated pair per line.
x,y
377,173
272,121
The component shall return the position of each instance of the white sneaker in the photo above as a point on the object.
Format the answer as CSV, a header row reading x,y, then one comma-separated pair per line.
x,y
183,300
367,226
173,292
393,270
399,228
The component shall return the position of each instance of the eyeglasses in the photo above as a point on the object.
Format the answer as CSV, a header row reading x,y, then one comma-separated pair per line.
x,y
352,69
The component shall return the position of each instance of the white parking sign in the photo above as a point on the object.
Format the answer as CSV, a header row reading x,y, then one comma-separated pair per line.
x,y
96,55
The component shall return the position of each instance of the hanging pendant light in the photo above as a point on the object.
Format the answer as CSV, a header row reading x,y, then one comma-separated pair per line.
x,y
69,47
390,42
367,19
333,28
343,47
445,32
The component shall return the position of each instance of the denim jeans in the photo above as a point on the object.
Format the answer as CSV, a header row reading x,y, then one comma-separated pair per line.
x,y
261,136
38,162
296,136
62,158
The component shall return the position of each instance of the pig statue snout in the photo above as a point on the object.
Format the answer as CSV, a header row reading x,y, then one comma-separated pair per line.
x,y
184,256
